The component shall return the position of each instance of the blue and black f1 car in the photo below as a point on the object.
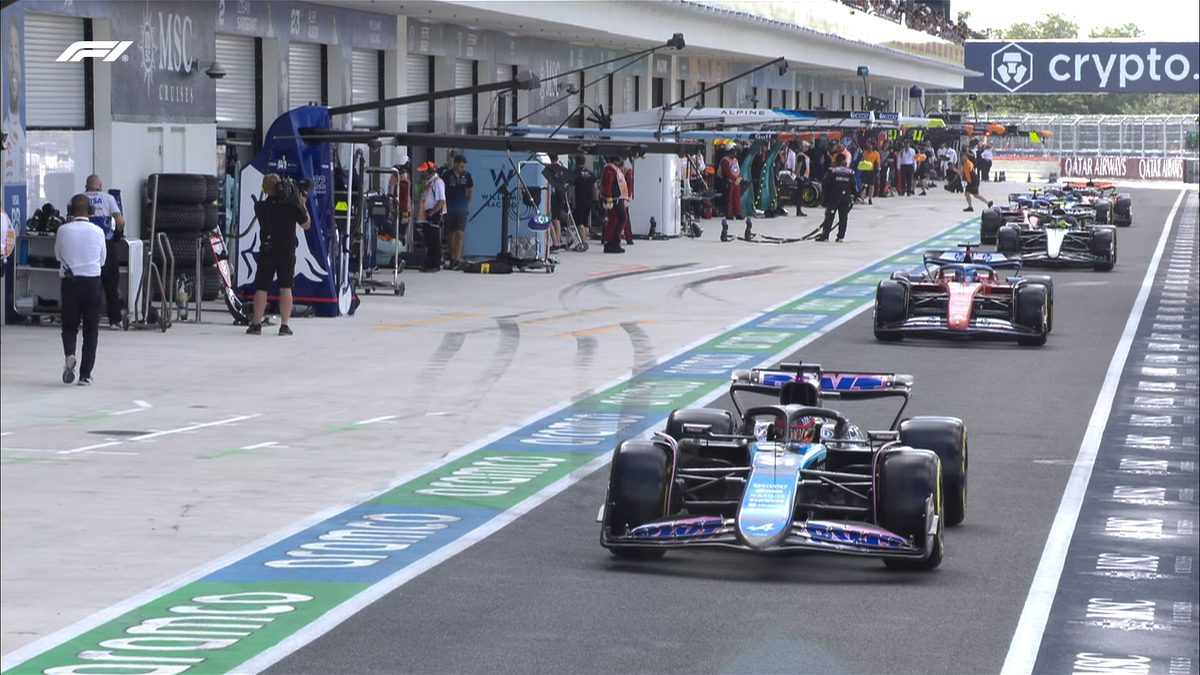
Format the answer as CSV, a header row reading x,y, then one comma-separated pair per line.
x,y
791,476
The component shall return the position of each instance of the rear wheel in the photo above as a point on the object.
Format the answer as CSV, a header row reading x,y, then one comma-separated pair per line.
x,y
1102,212
1048,282
908,487
891,307
947,437
1008,239
1123,211
989,225
1030,312
638,492
1104,247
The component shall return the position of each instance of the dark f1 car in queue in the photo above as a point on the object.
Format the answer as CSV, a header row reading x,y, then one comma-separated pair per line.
x,y
1111,206
1022,206
962,294
1059,239
791,476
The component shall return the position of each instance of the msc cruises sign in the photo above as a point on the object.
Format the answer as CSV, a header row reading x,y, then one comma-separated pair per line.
x,y
1082,66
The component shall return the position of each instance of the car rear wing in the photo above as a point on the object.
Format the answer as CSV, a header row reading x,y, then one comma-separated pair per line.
x,y
949,257
833,385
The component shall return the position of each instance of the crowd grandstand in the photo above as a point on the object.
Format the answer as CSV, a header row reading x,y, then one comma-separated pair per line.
x,y
920,17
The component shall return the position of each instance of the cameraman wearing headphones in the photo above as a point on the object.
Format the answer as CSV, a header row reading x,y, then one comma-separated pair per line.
x,y
278,215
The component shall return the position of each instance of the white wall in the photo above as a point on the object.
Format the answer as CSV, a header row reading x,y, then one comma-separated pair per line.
x,y
153,148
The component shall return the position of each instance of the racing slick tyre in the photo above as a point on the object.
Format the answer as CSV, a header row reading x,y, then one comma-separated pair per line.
x,y
178,188
989,225
1049,284
639,486
1030,312
811,195
947,437
718,421
908,483
1104,246
891,306
1122,213
1102,212
1008,239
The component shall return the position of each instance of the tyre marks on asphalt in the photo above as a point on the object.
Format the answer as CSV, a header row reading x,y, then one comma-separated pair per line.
x,y
571,292
698,285
585,351
643,346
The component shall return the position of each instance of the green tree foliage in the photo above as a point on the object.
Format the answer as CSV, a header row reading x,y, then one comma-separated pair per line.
x,y
1057,27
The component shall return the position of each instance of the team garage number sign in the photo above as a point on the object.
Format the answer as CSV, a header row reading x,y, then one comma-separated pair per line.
x,y
1082,66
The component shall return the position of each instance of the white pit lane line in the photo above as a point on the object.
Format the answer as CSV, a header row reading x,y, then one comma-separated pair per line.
x,y
1027,639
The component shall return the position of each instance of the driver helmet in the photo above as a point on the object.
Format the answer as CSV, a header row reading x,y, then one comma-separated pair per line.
x,y
805,430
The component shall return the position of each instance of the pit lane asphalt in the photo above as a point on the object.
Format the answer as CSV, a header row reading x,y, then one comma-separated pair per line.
x,y
542,596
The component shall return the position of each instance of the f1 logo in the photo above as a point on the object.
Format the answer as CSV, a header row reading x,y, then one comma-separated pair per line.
x,y
1012,66
110,50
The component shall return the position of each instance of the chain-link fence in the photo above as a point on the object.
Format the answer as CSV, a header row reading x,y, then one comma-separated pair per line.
x,y
1113,135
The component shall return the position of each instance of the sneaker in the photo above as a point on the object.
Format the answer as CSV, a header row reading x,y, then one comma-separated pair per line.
x,y
69,370
989,205
85,381
840,241
629,242
254,329
431,269
613,248
821,239
801,214
968,209
870,202
284,330
115,326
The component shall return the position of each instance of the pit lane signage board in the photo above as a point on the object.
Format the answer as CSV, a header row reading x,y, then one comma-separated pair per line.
x,y
1082,66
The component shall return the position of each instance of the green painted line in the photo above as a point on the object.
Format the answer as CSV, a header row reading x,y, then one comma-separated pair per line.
x,y
743,340
13,458
823,305
212,627
497,479
652,394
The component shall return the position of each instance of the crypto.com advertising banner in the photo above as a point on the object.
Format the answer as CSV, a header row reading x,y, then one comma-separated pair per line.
x,y
1082,66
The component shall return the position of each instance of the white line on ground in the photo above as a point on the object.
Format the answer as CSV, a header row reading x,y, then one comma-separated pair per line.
x,y
1027,639
141,406
156,434
264,444
680,274
373,420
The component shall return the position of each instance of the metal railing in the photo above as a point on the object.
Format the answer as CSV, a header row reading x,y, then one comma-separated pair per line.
x,y
1075,135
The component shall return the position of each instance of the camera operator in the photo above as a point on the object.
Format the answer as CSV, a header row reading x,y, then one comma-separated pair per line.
x,y
278,215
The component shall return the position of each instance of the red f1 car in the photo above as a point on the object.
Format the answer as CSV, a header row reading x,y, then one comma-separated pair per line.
x,y
963,294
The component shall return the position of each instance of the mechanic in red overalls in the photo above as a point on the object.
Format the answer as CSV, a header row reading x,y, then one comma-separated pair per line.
x,y
627,169
614,191
731,171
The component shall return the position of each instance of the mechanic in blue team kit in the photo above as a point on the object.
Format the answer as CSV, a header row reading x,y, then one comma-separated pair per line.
x,y
105,206
581,195
80,249
839,197
278,214
460,191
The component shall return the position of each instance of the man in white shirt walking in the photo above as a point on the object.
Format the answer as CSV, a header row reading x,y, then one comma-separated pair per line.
x,y
80,250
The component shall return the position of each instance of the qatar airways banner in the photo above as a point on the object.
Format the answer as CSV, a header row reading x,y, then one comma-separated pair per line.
x,y
1082,66
1133,168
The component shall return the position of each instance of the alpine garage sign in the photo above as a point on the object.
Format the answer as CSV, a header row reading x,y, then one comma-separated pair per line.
x,y
1082,66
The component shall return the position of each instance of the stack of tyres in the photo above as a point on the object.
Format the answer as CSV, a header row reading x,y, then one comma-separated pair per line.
x,y
184,207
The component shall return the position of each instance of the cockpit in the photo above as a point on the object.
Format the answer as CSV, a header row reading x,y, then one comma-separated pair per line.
x,y
965,274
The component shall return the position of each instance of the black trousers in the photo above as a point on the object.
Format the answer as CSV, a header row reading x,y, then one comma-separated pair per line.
x,y
81,302
842,209
906,178
432,232
110,277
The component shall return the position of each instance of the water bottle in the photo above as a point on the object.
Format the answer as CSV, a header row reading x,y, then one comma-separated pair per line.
x,y
181,298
